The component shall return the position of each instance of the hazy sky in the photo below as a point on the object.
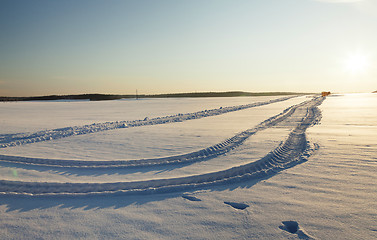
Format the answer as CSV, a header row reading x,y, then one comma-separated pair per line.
x,y
71,47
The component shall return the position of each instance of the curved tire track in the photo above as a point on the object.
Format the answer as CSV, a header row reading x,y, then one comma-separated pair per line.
x,y
13,140
294,150
201,155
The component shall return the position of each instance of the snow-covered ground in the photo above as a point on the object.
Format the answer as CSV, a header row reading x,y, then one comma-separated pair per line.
x,y
214,168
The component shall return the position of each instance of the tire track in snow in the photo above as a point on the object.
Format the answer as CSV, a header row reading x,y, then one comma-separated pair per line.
x,y
13,140
201,155
294,150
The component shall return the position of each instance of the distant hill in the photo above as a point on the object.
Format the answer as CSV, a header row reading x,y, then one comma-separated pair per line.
x,y
91,97
219,94
101,97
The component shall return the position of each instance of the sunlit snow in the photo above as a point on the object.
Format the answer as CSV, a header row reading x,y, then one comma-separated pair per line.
x,y
281,168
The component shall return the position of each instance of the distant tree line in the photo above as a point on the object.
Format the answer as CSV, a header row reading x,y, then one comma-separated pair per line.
x,y
219,94
101,97
91,97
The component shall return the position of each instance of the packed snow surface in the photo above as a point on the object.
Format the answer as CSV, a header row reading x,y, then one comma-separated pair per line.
x,y
226,168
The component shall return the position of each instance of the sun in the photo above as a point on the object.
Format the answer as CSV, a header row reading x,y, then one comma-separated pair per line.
x,y
356,63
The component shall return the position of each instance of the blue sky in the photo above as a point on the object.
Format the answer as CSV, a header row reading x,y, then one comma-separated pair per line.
x,y
72,47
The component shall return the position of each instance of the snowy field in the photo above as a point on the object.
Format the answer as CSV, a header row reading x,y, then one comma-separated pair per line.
x,y
204,168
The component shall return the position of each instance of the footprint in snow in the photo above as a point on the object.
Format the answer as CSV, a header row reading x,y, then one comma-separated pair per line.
x,y
294,228
191,198
240,206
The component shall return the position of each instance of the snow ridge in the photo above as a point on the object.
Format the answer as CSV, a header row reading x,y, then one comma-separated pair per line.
x,y
201,155
294,150
11,140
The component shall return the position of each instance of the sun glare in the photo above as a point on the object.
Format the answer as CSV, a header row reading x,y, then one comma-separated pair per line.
x,y
356,63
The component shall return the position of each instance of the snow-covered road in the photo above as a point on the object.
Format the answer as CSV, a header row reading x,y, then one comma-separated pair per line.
x,y
294,149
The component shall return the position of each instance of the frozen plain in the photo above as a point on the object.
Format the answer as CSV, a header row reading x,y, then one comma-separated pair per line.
x,y
331,193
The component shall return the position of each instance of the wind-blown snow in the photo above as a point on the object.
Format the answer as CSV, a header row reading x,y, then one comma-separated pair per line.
x,y
248,181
